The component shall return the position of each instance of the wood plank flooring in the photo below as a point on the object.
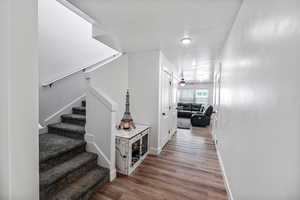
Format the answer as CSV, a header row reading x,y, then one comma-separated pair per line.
x,y
187,168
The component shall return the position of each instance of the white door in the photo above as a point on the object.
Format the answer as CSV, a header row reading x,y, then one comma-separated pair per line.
x,y
166,108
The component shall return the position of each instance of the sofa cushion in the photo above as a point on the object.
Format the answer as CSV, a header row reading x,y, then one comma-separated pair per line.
x,y
196,107
187,106
184,114
179,104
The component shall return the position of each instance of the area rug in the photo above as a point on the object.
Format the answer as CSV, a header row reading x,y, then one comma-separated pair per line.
x,y
184,123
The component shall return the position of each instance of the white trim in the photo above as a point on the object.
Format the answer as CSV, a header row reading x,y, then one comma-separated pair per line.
x,y
105,99
155,151
229,193
76,10
113,174
64,110
113,129
43,130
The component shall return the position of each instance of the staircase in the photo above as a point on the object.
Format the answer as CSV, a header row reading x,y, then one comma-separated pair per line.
x,y
67,171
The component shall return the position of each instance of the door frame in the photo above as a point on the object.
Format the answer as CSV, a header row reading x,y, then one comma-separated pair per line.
x,y
217,101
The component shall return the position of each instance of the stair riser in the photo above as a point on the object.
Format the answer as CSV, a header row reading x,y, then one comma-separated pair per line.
x,y
61,158
73,121
66,133
94,189
78,112
48,191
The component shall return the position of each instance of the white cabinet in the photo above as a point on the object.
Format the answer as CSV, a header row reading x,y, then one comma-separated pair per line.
x,y
132,147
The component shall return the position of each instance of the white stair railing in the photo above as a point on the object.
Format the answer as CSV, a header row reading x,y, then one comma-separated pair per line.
x,y
101,127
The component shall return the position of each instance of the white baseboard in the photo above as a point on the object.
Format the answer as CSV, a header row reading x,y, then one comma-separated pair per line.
x,y
113,174
54,118
229,193
155,151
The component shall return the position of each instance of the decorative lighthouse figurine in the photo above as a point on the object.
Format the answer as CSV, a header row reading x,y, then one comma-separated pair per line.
x,y
127,121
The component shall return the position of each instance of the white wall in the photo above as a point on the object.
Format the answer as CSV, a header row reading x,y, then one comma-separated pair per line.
x,y
112,79
65,45
165,62
258,131
65,41
4,134
143,81
101,127
19,169
51,100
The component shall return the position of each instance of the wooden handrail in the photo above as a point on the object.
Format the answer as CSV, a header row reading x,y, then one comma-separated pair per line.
x,y
103,62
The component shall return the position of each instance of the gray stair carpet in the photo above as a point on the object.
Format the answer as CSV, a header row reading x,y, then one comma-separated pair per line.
x,y
55,149
74,119
69,130
82,188
67,171
61,175
81,110
83,103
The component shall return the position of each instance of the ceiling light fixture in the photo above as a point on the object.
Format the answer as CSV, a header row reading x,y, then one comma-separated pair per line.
x,y
182,82
186,40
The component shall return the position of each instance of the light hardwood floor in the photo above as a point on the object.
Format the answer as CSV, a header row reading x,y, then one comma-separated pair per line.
x,y
187,168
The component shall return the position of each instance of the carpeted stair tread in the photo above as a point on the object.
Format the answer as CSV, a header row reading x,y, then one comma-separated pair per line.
x,y
52,145
68,130
74,116
54,174
79,110
84,187
68,127
74,119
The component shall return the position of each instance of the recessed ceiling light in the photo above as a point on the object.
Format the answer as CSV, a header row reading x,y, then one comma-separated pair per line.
x,y
186,40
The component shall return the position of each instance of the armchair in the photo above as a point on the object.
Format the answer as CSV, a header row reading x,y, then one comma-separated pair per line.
x,y
203,118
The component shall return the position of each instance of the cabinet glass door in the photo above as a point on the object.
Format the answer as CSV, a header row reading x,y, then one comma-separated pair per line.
x,y
144,144
135,152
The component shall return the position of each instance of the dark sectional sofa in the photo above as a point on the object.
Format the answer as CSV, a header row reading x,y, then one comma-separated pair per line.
x,y
200,114
186,110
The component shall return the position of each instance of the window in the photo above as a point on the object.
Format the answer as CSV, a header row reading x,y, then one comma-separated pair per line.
x,y
186,95
201,96
194,96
